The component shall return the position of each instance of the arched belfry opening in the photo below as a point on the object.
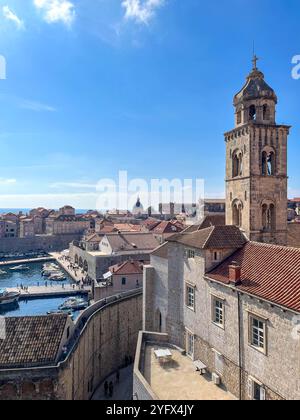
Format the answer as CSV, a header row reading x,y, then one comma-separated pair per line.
x,y
268,162
268,216
252,113
237,213
237,163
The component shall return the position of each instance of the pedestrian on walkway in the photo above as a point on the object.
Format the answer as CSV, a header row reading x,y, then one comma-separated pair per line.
x,y
111,390
118,376
106,388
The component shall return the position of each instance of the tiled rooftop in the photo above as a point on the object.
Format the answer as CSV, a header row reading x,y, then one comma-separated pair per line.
x,y
214,237
270,272
31,341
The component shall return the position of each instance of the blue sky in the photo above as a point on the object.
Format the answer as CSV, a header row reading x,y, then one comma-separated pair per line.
x,y
98,86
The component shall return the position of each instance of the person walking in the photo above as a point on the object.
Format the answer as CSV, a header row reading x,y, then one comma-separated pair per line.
x,y
106,388
118,376
111,389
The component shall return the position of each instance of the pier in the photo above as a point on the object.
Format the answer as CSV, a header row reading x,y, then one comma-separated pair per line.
x,y
43,292
27,261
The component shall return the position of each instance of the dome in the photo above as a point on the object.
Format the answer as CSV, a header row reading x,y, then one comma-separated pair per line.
x,y
138,208
255,87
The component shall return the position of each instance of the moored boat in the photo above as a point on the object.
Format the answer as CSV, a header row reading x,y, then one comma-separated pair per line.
x,y
2,273
74,304
20,268
8,298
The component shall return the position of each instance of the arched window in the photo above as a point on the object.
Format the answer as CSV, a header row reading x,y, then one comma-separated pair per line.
x,y
237,164
266,113
268,163
237,211
252,113
268,217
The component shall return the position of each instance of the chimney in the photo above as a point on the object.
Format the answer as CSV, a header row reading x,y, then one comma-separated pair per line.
x,y
235,271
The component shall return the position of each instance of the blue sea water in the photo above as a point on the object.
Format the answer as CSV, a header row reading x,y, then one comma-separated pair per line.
x,y
32,277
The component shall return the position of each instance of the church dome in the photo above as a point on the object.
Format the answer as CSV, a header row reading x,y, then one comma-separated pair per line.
x,y
138,208
255,87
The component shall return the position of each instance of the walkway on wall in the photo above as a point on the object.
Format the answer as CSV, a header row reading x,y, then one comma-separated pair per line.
x,y
122,391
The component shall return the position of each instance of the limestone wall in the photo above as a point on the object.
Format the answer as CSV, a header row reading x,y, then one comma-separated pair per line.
x,y
46,243
108,337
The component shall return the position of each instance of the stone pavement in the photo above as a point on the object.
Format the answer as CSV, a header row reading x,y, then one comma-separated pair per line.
x,y
122,391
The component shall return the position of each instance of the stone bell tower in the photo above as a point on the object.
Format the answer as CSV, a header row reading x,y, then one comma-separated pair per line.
x,y
256,164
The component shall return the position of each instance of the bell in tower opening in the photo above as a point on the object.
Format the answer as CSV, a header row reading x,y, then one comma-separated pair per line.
x,y
256,163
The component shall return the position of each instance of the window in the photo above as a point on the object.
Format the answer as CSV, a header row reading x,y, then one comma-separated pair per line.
x,y
237,164
266,112
268,217
252,113
218,311
258,333
190,297
216,256
237,208
256,391
268,163
124,281
190,344
190,253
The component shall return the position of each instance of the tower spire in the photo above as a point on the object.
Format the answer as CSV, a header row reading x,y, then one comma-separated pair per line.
x,y
254,61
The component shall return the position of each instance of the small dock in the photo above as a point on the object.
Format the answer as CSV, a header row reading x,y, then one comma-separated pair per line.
x,y
26,261
43,292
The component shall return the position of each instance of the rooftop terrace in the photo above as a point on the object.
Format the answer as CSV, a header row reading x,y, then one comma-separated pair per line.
x,y
178,379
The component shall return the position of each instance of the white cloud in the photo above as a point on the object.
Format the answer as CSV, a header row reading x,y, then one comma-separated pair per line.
x,y
36,106
56,11
141,11
7,181
9,15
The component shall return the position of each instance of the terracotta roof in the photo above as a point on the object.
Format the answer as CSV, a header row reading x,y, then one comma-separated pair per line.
x,y
215,237
166,227
95,237
270,272
208,221
127,267
32,341
122,242
150,223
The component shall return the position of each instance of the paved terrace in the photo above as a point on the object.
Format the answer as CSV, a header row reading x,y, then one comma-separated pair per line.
x,y
178,380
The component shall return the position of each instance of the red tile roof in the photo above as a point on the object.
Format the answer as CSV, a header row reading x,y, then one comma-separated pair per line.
x,y
214,237
269,272
166,227
126,268
32,341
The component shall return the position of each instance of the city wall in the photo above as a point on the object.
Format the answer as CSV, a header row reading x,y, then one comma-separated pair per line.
x,y
109,336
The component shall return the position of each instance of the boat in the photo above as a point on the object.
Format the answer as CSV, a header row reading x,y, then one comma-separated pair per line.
x,y
57,277
2,273
20,268
8,298
74,304
59,312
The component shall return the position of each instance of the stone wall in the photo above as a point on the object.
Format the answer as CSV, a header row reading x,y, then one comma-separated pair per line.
x,y
110,334
46,243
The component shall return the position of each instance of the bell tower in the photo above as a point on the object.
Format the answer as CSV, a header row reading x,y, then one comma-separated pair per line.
x,y
256,164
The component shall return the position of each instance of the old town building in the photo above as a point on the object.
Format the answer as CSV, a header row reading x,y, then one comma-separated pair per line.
x,y
225,298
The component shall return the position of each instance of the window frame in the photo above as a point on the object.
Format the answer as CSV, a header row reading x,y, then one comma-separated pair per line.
x,y
251,319
189,286
216,299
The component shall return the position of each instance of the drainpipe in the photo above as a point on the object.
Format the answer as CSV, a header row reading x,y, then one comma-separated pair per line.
x,y
240,346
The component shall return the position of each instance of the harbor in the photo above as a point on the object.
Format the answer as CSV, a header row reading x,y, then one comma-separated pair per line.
x,y
39,286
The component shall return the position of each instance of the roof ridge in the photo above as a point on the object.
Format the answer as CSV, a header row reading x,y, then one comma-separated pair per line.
x,y
263,244
207,239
